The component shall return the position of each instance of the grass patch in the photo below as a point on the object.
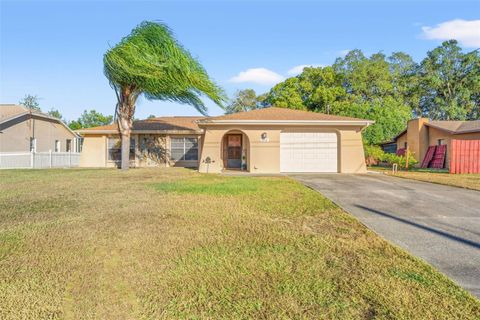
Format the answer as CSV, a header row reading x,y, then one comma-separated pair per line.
x,y
467,181
171,243
207,185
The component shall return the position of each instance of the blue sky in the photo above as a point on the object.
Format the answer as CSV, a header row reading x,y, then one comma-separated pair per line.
x,y
54,49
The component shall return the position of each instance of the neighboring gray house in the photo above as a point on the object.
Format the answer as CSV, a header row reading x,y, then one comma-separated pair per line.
x,y
25,130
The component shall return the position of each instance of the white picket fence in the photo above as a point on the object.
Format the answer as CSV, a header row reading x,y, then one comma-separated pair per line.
x,y
38,160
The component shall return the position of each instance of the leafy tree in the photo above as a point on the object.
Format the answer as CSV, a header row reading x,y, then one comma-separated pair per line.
x,y
90,119
152,116
151,62
450,83
355,86
30,102
286,94
244,100
56,114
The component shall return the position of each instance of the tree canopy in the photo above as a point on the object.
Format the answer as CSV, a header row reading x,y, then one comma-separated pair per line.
x,y
90,119
31,102
150,62
389,90
245,100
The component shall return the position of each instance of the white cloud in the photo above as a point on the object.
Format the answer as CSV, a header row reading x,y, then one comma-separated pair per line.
x,y
260,76
298,69
467,32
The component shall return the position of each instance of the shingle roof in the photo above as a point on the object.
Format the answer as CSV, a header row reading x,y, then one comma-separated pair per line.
x,y
274,113
9,110
155,124
456,127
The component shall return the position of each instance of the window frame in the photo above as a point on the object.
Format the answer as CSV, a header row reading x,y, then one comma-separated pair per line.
x,y
57,146
132,154
440,142
33,144
185,150
68,145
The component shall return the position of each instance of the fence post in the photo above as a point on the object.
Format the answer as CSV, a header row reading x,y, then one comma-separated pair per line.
x,y
70,158
50,154
32,159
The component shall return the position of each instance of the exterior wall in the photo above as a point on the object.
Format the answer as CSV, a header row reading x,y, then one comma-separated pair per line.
x,y
417,138
16,134
264,156
95,152
352,156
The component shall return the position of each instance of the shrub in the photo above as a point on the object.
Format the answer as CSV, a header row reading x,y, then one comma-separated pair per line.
x,y
373,154
401,161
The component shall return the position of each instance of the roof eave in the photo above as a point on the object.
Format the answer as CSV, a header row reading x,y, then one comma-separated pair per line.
x,y
440,128
288,122
40,115
91,132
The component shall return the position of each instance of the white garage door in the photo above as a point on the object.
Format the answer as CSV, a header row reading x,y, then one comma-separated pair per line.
x,y
308,152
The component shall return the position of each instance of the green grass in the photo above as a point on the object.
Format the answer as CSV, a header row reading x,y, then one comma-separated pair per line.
x,y
172,243
442,176
212,186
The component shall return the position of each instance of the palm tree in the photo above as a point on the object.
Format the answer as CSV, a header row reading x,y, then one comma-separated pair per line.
x,y
151,62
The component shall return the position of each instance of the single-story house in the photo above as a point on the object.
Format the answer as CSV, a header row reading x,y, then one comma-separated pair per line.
x,y
269,140
26,130
422,133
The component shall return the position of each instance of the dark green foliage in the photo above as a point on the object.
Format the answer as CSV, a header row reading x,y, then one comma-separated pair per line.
x,y
90,119
450,83
389,90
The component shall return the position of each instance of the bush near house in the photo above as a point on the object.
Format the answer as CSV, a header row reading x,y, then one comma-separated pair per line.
x,y
374,155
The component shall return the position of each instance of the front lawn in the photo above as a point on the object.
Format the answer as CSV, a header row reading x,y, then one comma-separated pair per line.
x,y
468,181
172,243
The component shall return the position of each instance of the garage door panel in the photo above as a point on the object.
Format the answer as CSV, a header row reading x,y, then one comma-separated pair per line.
x,y
308,152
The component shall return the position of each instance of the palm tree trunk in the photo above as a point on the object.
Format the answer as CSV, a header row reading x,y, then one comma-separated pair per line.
x,y
125,111
125,131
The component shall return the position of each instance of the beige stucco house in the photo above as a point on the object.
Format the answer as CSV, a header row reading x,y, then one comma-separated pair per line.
x,y
269,140
25,130
422,133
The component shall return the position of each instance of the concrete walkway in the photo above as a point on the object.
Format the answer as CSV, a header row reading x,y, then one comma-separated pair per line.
x,y
440,224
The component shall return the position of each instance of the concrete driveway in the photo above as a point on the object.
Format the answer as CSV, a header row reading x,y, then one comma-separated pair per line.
x,y
438,223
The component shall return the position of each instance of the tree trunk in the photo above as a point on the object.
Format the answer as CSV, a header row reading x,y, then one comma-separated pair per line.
x,y
125,135
124,112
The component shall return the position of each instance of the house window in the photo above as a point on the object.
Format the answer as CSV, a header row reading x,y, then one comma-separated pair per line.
x,y
57,145
79,144
68,145
184,148
115,149
441,142
405,145
33,145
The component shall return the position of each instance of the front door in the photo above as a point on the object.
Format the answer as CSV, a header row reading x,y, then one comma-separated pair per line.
x,y
234,151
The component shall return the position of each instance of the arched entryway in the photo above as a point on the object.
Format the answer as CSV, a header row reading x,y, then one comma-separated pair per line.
x,y
236,151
